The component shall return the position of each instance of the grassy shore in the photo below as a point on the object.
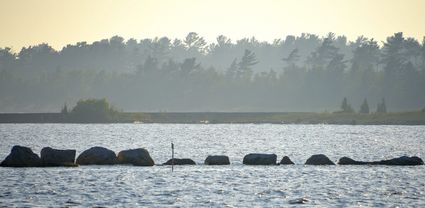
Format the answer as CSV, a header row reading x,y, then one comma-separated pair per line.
x,y
401,118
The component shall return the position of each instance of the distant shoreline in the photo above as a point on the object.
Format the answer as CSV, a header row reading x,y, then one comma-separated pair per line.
x,y
400,118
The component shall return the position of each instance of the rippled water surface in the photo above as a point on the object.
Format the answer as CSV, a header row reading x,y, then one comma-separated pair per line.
x,y
236,185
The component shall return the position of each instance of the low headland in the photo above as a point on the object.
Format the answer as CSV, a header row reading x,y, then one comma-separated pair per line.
x,y
99,111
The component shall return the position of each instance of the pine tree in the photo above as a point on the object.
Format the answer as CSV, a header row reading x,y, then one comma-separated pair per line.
x,y
345,107
364,108
245,65
64,109
382,107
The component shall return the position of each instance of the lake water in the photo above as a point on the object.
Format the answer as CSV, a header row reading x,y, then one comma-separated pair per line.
x,y
236,185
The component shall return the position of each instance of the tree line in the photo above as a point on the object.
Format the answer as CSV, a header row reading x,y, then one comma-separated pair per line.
x,y
297,73
364,107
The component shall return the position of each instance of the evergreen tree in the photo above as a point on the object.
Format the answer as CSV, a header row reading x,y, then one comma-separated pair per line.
x,y
292,58
245,65
364,108
382,107
93,110
345,107
232,70
64,109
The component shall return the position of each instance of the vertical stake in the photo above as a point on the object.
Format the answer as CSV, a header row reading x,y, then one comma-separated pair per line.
x,y
172,157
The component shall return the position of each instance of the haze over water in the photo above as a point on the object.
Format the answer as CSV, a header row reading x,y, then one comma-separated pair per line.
x,y
150,63
205,186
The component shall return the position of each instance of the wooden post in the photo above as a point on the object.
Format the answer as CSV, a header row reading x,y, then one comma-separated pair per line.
x,y
172,157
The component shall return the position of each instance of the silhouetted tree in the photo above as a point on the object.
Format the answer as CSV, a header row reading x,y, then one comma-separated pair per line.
x,y
7,59
393,56
64,109
364,108
194,42
323,54
189,66
346,107
292,58
190,75
366,55
245,65
382,107
93,110
232,70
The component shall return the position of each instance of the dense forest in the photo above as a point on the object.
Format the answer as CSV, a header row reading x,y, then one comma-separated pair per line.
x,y
296,73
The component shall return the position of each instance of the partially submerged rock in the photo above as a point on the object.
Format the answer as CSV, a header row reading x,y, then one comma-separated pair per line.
x,y
319,159
217,160
137,157
404,160
400,161
97,156
286,161
182,161
54,157
299,201
260,159
21,157
349,161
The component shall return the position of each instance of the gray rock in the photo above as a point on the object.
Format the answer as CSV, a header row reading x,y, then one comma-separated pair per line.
x,y
182,161
400,161
298,201
349,161
217,160
21,157
137,157
97,156
404,160
286,161
54,157
319,159
260,159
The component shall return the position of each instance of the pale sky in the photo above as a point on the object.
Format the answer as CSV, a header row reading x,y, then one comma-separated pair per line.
x,y
61,22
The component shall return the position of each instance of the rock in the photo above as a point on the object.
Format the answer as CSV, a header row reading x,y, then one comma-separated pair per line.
x,y
349,161
54,157
286,161
138,157
400,161
183,161
21,157
404,160
260,159
97,156
319,159
298,201
217,160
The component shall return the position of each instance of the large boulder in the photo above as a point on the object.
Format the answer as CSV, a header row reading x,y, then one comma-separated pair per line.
x,y
217,160
404,160
97,156
286,161
54,157
260,159
349,161
21,157
319,159
137,157
183,161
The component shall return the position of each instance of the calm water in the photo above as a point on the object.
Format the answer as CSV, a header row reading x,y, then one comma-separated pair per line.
x,y
226,186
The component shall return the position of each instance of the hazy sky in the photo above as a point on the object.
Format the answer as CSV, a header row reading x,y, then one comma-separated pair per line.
x,y
60,22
